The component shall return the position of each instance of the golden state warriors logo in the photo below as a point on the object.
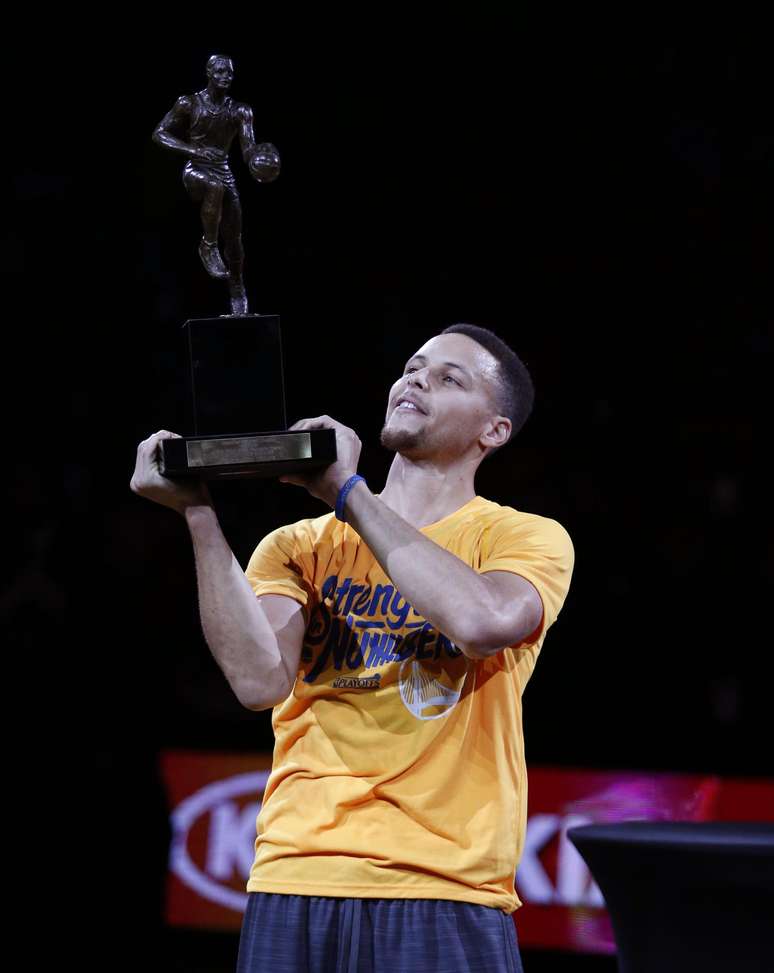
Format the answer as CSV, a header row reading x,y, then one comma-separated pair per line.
x,y
430,691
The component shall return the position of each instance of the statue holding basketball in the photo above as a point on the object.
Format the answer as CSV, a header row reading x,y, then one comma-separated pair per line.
x,y
202,127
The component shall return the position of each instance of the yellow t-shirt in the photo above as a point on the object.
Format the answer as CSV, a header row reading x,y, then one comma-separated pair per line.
x,y
398,767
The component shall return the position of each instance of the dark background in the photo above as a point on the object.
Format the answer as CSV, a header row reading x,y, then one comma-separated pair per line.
x,y
600,197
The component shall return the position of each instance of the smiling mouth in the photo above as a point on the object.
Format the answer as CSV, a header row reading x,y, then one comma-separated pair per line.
x,y
408,407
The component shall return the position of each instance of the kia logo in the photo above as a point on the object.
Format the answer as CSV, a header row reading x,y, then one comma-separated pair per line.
x,y
230,843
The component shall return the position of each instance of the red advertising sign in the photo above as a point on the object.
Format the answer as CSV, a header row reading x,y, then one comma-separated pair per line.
x,y
214,801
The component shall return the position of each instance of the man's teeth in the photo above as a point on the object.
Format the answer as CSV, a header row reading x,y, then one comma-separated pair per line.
x,y
408,405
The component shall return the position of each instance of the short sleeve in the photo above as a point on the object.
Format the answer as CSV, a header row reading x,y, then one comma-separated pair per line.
x,y
540,550
276,568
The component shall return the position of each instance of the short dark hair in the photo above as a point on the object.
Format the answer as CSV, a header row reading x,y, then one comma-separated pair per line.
x,y
212,61
515,391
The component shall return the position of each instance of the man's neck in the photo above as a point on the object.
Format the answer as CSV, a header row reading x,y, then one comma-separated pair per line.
x,y
424,491
216,95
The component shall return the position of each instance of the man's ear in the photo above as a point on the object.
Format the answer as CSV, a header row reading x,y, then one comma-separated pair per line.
x,y
497,432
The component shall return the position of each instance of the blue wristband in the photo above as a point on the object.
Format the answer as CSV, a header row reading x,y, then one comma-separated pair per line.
x,y
344,493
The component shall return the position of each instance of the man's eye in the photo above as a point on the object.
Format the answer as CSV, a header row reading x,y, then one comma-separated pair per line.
x,y
452,378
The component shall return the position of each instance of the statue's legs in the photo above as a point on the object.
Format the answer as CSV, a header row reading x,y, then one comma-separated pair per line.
x,y
210,194
231,231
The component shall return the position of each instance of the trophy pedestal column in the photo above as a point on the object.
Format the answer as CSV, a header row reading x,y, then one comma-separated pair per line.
x,y
237,388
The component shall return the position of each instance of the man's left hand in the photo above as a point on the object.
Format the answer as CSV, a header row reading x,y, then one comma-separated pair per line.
x,y
326,483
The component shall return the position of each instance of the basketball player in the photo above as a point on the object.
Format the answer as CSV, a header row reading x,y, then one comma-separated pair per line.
x,y
392,638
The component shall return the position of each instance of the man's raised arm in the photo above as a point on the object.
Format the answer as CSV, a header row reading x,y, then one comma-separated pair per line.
x,y
255,641
480,613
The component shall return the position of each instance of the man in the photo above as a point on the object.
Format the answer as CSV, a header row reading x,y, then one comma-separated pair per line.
x,y
394,639
208,122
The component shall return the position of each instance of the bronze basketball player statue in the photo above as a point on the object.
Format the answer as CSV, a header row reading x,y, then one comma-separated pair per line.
x,y
202,127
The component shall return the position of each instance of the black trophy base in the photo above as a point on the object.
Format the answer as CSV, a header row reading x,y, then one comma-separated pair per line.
x,y
263,454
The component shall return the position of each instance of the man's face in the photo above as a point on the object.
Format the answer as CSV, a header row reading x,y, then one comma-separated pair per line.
x,y
221,73
450,387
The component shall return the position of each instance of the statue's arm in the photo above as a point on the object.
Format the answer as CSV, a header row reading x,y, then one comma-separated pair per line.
x,y
177,118
246,137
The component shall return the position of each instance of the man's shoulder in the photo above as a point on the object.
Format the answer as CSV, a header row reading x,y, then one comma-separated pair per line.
x,y
241,110
496,515
182,106
310,532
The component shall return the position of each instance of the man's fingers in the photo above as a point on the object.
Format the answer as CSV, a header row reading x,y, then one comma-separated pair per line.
x,y
148,465
318,422
157,437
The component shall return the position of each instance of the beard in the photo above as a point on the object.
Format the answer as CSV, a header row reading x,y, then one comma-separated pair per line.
x,y
402,440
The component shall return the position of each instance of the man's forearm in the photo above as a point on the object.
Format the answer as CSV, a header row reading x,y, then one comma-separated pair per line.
x,y
164,138
441,587
235,626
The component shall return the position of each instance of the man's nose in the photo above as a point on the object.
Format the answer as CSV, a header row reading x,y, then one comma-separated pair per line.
x,y
419,377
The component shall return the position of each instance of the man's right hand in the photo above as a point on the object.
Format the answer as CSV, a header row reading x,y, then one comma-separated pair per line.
x,y
148,481
211,154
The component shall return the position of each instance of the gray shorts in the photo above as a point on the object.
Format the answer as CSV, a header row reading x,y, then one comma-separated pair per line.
x,y
322,934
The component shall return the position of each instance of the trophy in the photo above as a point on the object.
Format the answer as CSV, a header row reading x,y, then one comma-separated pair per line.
x,y
235,360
